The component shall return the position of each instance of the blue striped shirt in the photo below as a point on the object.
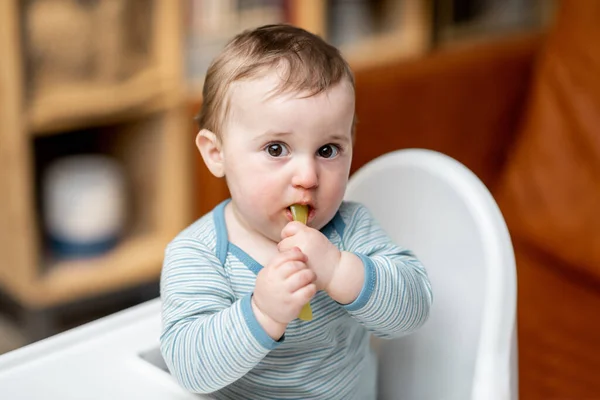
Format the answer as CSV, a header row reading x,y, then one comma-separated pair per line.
x,y
213,343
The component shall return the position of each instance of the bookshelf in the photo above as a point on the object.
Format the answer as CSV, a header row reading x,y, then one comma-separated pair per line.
x,y
129,103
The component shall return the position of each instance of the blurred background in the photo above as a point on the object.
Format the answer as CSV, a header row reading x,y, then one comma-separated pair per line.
x,y
98,168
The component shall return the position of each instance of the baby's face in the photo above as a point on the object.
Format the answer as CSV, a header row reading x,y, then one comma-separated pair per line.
x,y
285,149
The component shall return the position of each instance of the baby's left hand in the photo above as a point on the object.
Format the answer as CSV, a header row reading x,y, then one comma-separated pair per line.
x,y
323,256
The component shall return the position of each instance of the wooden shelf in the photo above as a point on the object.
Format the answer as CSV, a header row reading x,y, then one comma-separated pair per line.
x,y
384,49
141,122
310,15
135,260
66,108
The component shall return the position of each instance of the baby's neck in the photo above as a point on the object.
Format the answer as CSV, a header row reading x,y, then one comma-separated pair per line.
x,y
257,246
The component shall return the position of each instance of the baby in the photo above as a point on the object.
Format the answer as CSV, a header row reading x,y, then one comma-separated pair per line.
x,y
278,123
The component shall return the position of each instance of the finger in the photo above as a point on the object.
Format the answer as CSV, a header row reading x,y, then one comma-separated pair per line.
x,y
292,254
305,294
291,267
287,244
300,279
291,229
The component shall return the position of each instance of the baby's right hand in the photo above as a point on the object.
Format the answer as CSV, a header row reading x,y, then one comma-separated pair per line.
x,y
282,288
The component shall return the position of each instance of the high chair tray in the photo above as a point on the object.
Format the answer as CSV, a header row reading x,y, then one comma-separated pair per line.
x,y
115,358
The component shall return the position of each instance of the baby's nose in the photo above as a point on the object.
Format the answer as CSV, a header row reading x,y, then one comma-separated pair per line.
x,y
305,175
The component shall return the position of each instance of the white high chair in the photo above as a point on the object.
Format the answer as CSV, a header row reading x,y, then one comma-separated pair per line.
x,y
424,200
440,210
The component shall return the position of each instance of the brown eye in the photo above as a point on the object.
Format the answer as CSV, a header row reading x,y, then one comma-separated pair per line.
x,y
328,151
276,150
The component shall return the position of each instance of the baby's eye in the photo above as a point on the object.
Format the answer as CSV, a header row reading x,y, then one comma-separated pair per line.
x,y
328,151
276,150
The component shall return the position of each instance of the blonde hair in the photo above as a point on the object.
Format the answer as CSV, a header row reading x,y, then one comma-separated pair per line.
x,y
310,66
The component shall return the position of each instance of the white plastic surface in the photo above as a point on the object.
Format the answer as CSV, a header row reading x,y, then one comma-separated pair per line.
x,y
427,202
98,361
436,207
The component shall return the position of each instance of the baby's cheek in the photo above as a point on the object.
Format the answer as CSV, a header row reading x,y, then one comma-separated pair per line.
x,y
334,192
263,195
261,189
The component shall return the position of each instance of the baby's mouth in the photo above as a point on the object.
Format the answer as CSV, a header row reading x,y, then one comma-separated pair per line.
x,y
300,212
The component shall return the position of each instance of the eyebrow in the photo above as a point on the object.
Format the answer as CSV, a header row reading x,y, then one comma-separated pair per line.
x,y
333,138
340,138
267,134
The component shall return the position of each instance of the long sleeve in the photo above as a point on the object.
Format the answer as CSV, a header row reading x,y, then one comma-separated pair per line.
x,y
210,339
396,296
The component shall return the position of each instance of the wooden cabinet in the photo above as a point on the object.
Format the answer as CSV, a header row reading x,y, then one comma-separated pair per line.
x,y
130,105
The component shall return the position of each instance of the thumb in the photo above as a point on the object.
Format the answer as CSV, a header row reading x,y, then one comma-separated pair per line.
x,y
291,229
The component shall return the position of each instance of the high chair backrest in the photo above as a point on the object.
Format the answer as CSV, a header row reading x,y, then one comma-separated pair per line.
x,y
435,206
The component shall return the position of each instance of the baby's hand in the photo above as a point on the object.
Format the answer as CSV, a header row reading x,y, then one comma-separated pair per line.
x,y
282,288
323,256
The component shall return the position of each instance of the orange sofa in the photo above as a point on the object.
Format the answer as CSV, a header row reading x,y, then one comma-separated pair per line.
x,y
524,114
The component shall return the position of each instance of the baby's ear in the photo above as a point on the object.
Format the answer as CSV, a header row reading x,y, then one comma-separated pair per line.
x,y
210,148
